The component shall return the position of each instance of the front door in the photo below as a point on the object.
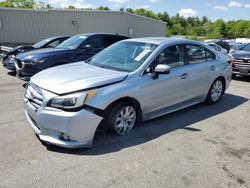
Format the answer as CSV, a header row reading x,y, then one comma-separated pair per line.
x,y
168,89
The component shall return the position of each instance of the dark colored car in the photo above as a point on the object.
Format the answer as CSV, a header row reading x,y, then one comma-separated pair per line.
x,y
77,48
241,58
8,59
224,44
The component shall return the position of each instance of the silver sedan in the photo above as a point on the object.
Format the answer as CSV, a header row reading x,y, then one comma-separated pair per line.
x,y
131,81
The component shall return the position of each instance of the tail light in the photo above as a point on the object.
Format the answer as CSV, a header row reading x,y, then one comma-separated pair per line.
x,y
230,60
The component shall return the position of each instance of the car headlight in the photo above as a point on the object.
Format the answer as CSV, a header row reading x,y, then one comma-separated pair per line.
x,y
71,101
34,62
38,61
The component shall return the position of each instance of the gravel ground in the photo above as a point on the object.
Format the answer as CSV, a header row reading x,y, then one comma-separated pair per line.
x,y
202,146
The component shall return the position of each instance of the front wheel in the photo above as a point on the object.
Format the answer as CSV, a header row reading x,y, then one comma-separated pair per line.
x,y
122,118
215,92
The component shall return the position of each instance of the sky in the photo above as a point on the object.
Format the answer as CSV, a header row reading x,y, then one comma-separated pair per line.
x,y
214,9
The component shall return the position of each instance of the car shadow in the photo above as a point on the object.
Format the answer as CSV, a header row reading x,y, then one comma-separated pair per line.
x,y
242,78
11,73
25,84
105,142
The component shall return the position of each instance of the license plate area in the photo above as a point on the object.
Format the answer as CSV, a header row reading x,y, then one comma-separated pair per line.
x,y
245,71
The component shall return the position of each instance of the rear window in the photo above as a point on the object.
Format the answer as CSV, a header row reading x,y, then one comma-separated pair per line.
x,y
109,40
198,54
210,55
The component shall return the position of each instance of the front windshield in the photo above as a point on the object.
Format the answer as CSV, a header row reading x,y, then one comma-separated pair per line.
x,y
246,48
124,56
41,43
73,42
238,46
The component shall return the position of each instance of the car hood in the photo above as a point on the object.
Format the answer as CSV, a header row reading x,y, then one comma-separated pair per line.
x,y
18,49
40,53
241,54
75,77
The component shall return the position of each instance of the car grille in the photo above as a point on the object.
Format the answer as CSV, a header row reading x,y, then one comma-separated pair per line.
x,y
242,63
34,97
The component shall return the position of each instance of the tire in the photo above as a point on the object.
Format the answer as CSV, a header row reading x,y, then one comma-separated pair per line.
x,y
216,91
122,118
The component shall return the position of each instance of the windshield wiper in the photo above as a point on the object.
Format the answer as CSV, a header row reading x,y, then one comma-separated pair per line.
x,y
88,60
100,66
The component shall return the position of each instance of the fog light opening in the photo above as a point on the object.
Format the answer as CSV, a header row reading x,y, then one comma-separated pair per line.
x,y
65,137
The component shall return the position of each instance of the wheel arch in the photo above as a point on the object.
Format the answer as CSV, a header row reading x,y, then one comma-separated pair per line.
x,y
222,78
127,99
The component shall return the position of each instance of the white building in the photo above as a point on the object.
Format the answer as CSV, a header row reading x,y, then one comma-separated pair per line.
x,y
29,26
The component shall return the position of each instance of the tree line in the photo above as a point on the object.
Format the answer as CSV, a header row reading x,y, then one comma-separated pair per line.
x,y
193,27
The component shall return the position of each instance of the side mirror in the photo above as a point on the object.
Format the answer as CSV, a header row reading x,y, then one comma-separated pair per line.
x,y
162,69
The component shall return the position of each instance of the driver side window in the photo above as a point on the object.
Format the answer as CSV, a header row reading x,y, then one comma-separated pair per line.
x,y
54,44
95,42
172,56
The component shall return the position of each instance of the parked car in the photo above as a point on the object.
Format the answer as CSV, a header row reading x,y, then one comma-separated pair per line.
x,y
77,48
128,82
236,47
221,42
9,57
241,60
218,48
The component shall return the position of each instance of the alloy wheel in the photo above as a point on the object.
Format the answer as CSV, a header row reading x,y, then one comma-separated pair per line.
x,y
125,120
217,90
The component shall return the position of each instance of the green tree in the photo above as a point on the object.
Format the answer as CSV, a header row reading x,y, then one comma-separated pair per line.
x,y
42,5
178,29
71,7
7,4
219,29
18,4
164,17
240,27
140,11
130,10
23,3
103,8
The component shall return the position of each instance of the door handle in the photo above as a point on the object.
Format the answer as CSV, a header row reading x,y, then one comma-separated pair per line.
x,y
212,68
184,76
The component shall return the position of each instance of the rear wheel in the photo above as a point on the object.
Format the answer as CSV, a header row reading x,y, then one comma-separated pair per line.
x,y
215,91
122,118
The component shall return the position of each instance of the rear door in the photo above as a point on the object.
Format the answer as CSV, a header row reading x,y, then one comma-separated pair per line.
x,y
202,67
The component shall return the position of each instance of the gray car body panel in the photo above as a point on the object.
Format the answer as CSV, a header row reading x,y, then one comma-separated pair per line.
x,y
76,76
168,93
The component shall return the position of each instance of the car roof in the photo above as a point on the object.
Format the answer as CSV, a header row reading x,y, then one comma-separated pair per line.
x,y
91,34
211,43
159,40
56,37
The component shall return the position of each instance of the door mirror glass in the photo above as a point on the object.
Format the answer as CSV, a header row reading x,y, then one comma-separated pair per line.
x,y
162,69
